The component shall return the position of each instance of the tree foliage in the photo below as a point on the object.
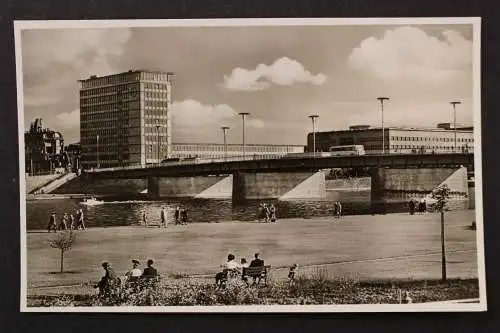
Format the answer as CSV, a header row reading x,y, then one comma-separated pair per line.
x,y
441,195
63,241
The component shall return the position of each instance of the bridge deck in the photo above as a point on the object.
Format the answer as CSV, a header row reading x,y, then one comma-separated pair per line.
x,y
283,164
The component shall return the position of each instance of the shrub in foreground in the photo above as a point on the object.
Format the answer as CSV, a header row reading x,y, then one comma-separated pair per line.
x,y
319,289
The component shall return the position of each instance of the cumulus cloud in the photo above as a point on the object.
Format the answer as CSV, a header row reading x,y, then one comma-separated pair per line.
x,y
283,72
87,50
191,113
53,60
410,53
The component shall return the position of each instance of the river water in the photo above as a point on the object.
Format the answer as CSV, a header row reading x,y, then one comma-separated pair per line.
x,y
129,212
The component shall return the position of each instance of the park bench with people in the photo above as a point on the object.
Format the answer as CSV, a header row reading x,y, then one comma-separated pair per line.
x,y
257,273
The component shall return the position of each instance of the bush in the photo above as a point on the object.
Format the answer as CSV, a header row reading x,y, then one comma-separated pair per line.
x,y
319,289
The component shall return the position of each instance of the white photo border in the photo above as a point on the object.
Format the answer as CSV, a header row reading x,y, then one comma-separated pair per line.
x,y
20,25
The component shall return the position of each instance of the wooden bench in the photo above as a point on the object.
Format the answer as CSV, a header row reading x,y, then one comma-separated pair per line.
x,y
257,273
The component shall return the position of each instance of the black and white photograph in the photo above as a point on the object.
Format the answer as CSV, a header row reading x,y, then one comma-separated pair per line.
x,y
250,165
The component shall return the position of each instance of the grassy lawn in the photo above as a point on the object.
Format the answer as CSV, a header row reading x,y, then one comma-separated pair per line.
x,y
395,246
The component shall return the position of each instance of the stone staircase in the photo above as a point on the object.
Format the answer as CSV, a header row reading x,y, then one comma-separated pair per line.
x,y
51,186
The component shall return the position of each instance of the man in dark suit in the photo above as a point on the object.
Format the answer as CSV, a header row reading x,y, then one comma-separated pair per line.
x,y
150,271
257,262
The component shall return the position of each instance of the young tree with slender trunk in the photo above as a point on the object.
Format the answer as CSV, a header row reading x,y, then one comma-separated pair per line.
x,y
441,195
64,241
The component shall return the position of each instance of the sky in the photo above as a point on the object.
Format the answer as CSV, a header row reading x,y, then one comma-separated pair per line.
x,y
279,74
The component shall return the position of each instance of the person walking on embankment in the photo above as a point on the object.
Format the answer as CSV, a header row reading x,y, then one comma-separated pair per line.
x,y
52,223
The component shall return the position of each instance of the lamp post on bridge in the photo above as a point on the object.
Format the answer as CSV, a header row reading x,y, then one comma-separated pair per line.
x,y
381,100
313,120
454,103
224,132
243,115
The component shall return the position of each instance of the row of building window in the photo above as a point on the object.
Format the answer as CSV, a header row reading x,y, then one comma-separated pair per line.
x,y
155,86
113,90
110,108
441,139
156,104
156,94
118,99
424,147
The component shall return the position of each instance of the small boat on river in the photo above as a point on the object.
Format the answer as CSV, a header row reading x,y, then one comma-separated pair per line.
x,y
92,202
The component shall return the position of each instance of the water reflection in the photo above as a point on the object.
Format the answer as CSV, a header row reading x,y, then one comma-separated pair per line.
x,y
129,212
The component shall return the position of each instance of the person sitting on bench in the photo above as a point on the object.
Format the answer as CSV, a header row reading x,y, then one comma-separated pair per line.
x,y
257,262
134,274
149,272
230,268
291,274
243,265
108,280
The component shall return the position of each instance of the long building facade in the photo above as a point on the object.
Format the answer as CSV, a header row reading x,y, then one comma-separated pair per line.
x,y
125,119
398,140
219,150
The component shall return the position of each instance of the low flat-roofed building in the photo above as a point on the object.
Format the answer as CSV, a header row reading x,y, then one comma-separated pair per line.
x,y
217,150
397,139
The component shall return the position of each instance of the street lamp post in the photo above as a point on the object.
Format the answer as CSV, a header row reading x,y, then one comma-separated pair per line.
x,y
224,131
382,99
157,142
243,115
98,162
454,103
313,120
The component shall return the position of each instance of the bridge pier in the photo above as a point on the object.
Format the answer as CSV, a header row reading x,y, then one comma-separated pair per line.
x,y
278,185
400,185
153,187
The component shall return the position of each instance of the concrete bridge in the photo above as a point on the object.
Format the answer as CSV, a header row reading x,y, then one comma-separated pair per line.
x,y
283,164
393,177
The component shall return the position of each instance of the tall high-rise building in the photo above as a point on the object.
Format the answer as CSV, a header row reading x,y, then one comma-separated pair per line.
x,y
125,119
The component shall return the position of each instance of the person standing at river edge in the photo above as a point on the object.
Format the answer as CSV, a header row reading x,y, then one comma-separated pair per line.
x,y
72,224
81,223
52,223
64,222
272,210
163,218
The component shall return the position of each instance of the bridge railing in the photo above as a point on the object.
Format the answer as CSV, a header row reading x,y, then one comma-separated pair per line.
x,y
262,157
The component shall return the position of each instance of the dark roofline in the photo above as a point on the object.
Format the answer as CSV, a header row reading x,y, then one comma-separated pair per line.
x,y
122,73
373,129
